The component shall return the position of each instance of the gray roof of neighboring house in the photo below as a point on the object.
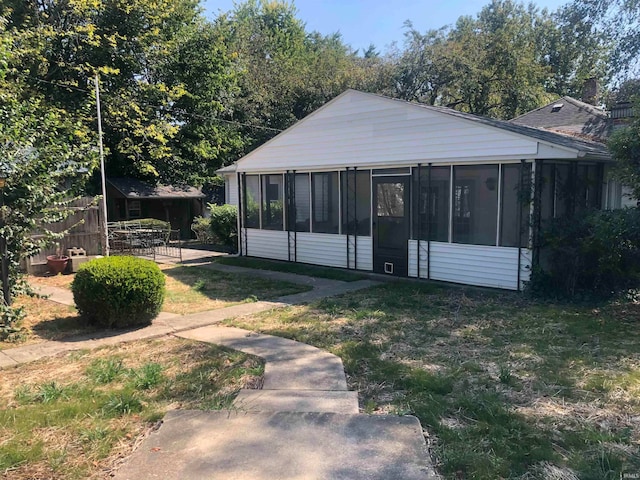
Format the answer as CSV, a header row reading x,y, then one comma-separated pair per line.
x,y
569,116
137,189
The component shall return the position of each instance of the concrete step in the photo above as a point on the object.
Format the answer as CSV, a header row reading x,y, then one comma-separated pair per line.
x,y
297,401
230,445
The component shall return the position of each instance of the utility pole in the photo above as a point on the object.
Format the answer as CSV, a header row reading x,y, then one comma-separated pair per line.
x,y
105,231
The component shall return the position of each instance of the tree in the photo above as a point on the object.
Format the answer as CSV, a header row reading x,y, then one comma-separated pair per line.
x,y
507,60
45,155
285,72
138,47
619,21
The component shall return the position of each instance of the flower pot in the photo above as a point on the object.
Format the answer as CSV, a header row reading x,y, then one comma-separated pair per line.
x,y
57,264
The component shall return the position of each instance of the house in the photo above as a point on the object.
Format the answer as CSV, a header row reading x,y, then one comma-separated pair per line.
x,y
571,117
377,184
583,120
130,199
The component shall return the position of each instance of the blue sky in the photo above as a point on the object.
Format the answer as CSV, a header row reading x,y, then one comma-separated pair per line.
x,y
362,22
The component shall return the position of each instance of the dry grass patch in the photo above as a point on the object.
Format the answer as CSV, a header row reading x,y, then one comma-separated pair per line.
x,y
78,415
507,387
45,320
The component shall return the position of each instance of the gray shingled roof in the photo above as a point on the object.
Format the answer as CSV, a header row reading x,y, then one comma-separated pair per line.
x,y
137,189
573,117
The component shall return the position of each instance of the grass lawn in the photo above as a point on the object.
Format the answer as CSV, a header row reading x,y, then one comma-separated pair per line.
x,y
505,387
299,268
189,290
77,415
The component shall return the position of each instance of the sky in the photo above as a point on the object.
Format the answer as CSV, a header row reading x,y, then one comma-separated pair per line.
x,y
363,22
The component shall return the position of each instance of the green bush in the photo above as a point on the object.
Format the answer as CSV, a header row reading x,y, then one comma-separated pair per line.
x,y
116,292
224,224
201,226
592,253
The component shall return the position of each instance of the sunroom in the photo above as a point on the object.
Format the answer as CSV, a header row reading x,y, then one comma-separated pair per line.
x,y
375,184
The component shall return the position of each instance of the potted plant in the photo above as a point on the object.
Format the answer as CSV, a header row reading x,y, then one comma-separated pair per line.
x,y
58,262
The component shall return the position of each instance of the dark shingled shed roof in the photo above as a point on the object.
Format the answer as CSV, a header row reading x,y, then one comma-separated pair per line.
x,y
136,189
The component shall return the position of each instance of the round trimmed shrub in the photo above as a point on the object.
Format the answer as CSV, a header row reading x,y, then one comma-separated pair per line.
x,y
120,291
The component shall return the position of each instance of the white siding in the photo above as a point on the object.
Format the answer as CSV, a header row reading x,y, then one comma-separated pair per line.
x,y
363,130
315,248
471,264
475,265
364,253
413,254
231,189
266,244
322,249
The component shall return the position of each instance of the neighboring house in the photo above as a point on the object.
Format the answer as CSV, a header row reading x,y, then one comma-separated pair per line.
x,y
571,117
129,199
376,184
583,120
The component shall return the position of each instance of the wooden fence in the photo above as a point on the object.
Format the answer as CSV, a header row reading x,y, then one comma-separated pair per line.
x,y
84,227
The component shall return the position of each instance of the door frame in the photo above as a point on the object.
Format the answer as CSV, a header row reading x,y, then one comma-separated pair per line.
x,y
387,261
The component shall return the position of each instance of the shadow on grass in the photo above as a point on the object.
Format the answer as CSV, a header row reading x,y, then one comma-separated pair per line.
x,y
227,287
74,329
292,267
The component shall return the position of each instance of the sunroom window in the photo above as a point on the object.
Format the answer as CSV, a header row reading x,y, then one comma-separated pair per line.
x,y
356,202
325,207
475,204
252,201
302,200
272,202
431,203
516,204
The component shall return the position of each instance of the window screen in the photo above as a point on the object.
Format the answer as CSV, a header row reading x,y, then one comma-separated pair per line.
x,y
475,204
325,202
356,202
272,202
431,204
252,201
516,198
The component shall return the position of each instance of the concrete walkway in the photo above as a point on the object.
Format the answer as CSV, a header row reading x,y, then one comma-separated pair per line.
x,y
303,423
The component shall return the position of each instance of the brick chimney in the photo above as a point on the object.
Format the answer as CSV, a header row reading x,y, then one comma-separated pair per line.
x,y
590,91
